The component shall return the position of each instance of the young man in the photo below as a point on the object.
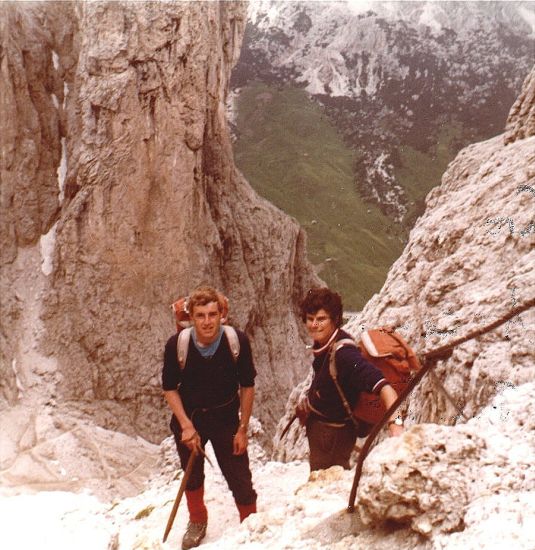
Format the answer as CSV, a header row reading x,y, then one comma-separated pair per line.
x,y
331,434
211,399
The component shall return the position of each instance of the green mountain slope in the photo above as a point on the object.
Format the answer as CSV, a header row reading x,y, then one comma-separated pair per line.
x,y
293,156
419,171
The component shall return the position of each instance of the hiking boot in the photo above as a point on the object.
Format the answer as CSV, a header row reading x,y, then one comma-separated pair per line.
x,y
193,535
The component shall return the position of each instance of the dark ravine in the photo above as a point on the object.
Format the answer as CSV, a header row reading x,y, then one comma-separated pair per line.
x,y
121,105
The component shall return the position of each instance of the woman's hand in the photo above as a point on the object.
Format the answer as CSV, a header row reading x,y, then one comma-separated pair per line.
x,y
303,411
394,430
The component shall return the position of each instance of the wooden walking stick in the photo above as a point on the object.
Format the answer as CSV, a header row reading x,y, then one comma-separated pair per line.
x,y
287,427
181,490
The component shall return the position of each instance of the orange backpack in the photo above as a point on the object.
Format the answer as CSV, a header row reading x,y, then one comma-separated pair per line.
x,y
385,349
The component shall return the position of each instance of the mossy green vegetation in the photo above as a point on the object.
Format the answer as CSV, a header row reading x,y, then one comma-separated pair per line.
x,y
292,155
144,513
421,171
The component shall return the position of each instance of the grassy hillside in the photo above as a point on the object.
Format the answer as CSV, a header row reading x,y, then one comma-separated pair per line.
x,y
420,171
291,155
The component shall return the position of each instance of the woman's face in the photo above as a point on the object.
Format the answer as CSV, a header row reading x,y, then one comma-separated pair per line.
x,y
320,326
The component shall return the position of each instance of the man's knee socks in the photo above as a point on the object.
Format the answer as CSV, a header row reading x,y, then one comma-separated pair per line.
x,y
246,510
197,510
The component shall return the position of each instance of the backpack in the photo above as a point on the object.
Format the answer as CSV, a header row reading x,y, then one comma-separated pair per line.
x,y
184,337
385,349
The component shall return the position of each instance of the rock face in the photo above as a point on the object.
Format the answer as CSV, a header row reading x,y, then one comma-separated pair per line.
x,y
435,469
119,194
521,120
30,126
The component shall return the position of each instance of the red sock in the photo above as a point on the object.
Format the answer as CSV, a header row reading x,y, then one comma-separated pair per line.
x,y
246,510
197,510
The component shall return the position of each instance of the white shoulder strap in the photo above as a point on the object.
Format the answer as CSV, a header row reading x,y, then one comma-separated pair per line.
x,y
344,342
233,341
332,357
182,346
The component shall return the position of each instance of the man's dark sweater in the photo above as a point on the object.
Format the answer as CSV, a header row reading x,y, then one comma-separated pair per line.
x,y
208,382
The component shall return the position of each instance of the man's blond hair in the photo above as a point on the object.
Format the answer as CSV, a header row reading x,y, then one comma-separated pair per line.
x,y
203,295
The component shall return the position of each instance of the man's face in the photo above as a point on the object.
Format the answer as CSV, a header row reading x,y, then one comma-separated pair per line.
x,y
320,326
207,321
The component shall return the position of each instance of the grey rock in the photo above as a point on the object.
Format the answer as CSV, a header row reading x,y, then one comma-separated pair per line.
x,y
452,481
424,480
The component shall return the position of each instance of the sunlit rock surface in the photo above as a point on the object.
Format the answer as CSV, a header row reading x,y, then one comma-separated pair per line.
x,y
119,194
441,479
521,121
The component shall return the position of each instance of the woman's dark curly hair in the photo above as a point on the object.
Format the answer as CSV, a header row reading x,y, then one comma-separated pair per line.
x,y
322,298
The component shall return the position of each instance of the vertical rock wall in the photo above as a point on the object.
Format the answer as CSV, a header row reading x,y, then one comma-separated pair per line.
x,y
32,123
521,119
143,200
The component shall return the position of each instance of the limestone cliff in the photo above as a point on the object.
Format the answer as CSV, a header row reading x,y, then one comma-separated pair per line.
x,y
119,194
521,120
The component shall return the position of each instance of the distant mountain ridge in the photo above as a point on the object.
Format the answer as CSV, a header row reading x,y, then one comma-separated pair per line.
x,y
119,193
396,78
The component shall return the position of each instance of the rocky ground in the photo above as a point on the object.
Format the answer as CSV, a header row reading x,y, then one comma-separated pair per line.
x,y
436,487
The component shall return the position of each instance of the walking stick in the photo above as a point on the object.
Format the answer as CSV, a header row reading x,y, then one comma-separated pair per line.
x,y
181,490
429,360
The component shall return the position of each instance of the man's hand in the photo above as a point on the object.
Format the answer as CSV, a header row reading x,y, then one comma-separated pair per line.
x,y
240,441
190,438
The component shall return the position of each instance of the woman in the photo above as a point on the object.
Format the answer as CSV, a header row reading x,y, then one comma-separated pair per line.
x,y
330,431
